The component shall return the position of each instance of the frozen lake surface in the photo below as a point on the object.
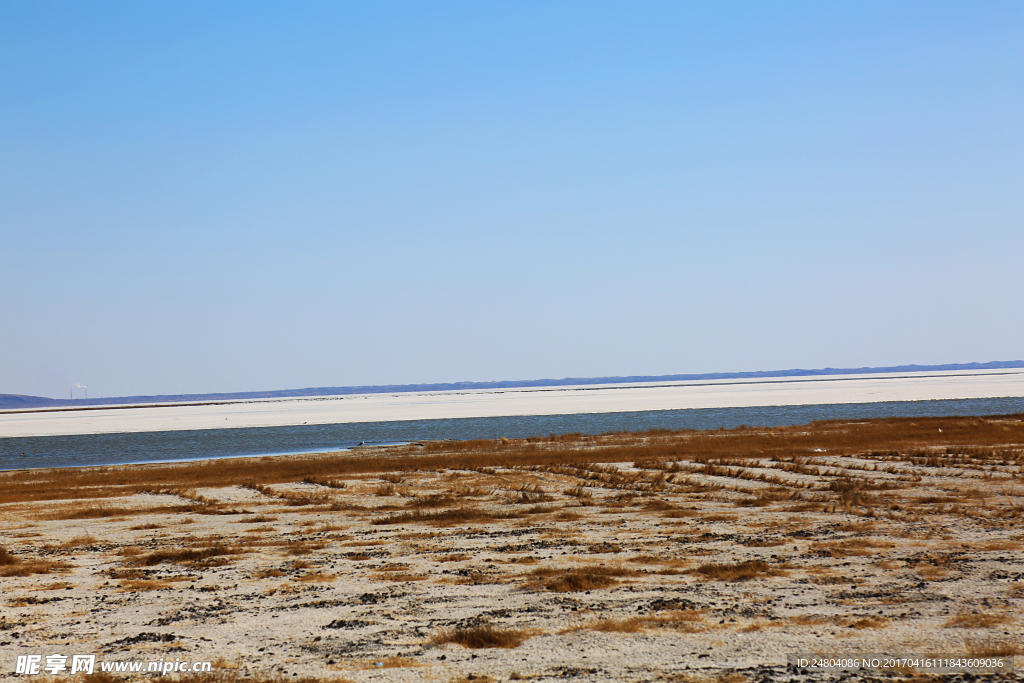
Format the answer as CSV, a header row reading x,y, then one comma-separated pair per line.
x,y
529,401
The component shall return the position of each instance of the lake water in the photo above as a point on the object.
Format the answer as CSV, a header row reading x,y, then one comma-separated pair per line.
x,y
120,448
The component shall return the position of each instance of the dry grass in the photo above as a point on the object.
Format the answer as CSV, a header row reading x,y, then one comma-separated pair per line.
x,y
453,557
315,577
385,490
631,625
270,573
78,541
965,442
210,556
926,481
993,647
88,512
686,621
1002,545
577,579
135,585
740,571
329,483
531,495
713,678
870,622
256,519
932,573
300,547
393,662
463,515
486,636
11,565
753,543
400,577
968,620
840,549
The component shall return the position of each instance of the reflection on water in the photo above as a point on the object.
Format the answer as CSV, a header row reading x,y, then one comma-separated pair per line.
x,y
107,449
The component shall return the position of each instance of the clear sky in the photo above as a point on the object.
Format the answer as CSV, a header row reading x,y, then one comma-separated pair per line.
x,y
240,196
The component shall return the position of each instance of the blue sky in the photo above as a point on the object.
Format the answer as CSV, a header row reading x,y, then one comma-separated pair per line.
x,y
240,196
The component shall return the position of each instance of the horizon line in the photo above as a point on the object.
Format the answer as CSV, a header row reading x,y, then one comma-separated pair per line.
x,y
8,401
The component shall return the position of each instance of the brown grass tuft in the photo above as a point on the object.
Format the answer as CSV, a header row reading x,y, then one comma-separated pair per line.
x,y
213,555
993,647
29,567
577,579
966,620
631,625
90,512
740,571
461,515
486,636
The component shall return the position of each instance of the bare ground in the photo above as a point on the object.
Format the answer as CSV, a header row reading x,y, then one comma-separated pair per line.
x,y
689,556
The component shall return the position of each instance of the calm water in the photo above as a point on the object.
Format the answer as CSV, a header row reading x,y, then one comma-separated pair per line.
x,y
107,449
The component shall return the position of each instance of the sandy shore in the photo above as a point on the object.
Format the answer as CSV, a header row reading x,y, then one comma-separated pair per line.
x,y
676,557
781,391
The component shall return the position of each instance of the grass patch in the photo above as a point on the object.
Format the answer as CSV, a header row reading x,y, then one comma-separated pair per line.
x,y
6,559
90,512
329,483
577,579
993,647
891,445
454,557
11,565
79,541
136,585
256,519
462,515
631,625
965,620
315,577
30,567
210,556
740,571
486,636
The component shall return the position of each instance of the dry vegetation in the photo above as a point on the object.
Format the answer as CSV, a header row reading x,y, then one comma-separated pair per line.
x,y
478,560
477,637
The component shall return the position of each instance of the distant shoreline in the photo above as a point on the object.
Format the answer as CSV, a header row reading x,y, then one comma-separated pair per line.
x,y
21,402
510,402
19,453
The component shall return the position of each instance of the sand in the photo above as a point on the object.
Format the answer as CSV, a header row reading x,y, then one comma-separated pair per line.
x,y
925,557
524,401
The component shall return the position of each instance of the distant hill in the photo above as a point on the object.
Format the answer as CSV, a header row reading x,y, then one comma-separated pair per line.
x,y
17,401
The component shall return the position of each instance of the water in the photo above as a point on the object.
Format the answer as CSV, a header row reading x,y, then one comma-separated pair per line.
x,y
138,447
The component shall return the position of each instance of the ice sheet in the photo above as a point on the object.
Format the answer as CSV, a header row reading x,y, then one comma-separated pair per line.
x,y
561,400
